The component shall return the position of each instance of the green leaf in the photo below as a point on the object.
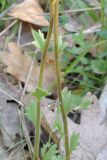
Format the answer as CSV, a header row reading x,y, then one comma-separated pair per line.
x,y
79,38
74,141
84,61
61,45
44,149
102,54
30,112
3,3
86,103
72,66
63,20
58,125
103,34
55,157
39,39
39,93
99,66
70,101
48,151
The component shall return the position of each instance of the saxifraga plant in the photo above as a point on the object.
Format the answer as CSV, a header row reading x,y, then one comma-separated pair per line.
x,y
39,93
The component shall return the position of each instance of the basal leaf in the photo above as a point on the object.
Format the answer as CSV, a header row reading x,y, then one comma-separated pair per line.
x,y
99,66
103,34
74,141
39,93
31,112
39,39
70,101
48,151
58,125
85,103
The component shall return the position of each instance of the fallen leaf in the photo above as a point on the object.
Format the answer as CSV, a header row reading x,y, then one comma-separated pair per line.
x,y
29,11
9,121
18,65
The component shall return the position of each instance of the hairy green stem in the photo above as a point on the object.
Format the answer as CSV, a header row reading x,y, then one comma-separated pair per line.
x,y
64,117
40,80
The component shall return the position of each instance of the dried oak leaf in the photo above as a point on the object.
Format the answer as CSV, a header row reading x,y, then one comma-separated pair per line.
x,y
29,11
18,65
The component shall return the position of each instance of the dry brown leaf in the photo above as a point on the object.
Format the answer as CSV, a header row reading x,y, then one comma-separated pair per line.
x,y
29,11
18,65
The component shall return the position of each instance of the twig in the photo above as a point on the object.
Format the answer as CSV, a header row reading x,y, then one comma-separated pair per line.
x,y
83,9
27,80
21,113
20,103
92,29
13,146
22,118
6,29
1,126
27,44
88,150
19,33
16,151
7,18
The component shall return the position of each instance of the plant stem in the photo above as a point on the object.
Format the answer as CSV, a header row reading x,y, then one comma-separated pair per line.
x,y
64,117
40,80
102,14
